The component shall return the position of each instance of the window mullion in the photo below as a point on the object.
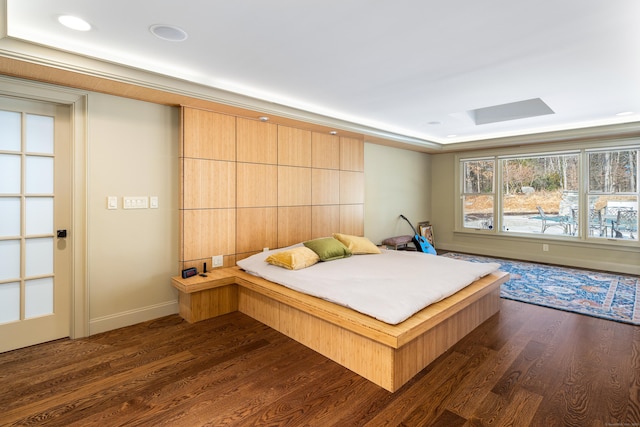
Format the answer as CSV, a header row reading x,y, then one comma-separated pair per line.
x,y
497,195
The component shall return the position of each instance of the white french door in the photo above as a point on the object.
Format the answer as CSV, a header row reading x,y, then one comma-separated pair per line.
x,y
35,213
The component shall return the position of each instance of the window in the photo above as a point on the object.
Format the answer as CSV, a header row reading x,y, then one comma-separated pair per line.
x,y
613,194
583,194
540,194
478,194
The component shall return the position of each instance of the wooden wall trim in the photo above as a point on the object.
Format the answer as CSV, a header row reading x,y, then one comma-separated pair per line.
x,y
247,185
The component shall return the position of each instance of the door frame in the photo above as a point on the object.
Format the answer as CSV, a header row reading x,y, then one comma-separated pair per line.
x,y
78,106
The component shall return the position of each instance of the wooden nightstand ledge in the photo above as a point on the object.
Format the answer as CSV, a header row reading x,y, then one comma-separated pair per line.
x,y
205,297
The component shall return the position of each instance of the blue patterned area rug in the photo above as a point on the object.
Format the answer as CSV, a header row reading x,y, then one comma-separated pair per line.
x,y
605,295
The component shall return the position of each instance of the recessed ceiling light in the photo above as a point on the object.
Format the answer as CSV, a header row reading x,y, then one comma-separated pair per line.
x,y
74,23
453,135
168,32
263,118
625,113
333,132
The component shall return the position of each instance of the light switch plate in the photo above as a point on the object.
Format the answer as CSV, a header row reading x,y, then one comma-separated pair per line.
x,y
217,261
153,202
135,202
112,202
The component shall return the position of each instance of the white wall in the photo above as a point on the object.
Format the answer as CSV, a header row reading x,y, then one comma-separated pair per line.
x,y
132,254
132,150
397,182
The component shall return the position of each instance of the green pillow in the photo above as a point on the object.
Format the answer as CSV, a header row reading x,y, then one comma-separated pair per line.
x,y
328,248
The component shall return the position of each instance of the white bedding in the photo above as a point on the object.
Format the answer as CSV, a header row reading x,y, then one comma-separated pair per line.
x,y
390,286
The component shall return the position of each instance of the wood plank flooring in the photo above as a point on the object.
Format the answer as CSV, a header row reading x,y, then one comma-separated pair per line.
x,y
526,366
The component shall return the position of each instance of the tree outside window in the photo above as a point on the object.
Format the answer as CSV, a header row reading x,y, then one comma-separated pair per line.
x,y
613,194
540,194
478,193
587,194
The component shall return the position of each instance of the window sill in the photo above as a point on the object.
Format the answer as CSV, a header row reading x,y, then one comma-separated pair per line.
x,y
584,242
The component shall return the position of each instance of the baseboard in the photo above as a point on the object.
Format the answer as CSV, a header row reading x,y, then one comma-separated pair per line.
x,y
555,259
131,317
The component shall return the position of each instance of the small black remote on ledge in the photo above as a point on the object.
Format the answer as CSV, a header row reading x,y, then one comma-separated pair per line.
x,y
204,270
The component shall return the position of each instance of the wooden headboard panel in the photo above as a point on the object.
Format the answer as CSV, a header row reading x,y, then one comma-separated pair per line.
x,y
248,185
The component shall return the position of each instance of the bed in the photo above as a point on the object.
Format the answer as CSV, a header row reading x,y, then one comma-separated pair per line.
x,y
387,285
388,347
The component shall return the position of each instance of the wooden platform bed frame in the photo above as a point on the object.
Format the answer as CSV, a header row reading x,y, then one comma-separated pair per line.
x,y
387,355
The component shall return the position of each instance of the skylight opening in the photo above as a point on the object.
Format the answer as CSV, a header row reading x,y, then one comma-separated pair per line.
x,y
512,111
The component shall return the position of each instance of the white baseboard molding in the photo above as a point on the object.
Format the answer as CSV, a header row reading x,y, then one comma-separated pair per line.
x,y
131,317
550,259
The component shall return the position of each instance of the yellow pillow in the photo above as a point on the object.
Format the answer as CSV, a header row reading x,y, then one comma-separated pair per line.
x,y
294,259
357,245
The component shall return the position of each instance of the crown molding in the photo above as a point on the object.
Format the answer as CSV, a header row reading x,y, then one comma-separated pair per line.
x,y
33,56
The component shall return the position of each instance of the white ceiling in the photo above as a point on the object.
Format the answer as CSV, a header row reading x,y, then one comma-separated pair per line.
x,y
412,67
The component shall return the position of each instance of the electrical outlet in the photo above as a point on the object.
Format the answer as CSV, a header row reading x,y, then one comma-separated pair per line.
x,y
265,249
217,261
545,247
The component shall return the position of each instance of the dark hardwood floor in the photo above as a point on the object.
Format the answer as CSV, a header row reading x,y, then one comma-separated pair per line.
x,y
526,366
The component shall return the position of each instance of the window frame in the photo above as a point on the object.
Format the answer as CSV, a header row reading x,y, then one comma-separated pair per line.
x,y
582,151
464,194
589,193
502,158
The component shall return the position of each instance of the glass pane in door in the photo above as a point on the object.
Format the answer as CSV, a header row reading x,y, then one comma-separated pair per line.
x,y
10,212
38,257
9,259
38,297
9,302
39,175
38,215
10,128
39,137
10,171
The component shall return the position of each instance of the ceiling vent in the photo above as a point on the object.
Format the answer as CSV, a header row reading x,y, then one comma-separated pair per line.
x,y
511,111
168,32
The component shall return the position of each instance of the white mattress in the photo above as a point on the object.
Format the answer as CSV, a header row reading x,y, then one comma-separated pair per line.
x,y
390,286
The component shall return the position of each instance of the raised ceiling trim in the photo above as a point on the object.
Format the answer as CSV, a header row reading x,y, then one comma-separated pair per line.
x,y
30,56
604,133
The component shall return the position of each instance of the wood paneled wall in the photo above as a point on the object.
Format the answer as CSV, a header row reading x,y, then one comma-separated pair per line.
x,y
248,185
